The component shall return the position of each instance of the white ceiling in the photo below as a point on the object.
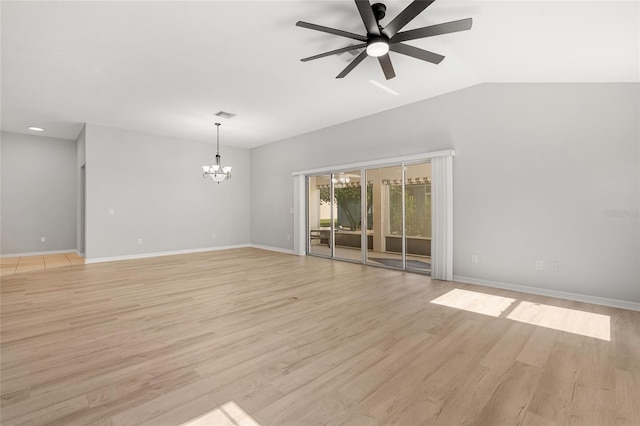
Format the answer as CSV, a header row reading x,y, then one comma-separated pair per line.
x,y
165,67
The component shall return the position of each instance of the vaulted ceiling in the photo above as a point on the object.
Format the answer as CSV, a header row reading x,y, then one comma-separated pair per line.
x,y
166,67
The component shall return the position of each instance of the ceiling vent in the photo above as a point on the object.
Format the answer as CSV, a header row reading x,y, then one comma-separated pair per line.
x,y
224,114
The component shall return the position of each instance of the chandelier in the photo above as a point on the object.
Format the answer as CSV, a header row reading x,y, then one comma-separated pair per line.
x,y
341,180
217,172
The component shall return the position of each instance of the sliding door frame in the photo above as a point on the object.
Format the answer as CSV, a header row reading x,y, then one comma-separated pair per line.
x,y
301,205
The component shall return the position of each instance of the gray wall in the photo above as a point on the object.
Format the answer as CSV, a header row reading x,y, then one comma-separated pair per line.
x,y
155,187
537,168
38,194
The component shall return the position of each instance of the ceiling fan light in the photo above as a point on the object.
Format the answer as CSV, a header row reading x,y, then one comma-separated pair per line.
x,y
378,46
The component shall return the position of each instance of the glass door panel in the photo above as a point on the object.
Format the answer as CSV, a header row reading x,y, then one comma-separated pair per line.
x,y
417,210
347,191
320,213
390,227
386,217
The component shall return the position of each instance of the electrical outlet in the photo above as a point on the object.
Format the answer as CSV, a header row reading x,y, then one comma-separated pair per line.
x,y
139,240
288,237
213,236
554,266
43,239
112,211
539,265
474,258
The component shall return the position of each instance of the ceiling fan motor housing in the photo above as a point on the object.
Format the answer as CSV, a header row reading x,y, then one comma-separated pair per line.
x,y
378,44
379,11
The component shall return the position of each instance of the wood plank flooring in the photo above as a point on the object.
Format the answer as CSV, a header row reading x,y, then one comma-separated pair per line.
x,y
21,264
220,338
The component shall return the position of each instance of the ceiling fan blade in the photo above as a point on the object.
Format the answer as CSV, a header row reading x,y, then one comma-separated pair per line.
x,y
414,52
352,65
406,16
387,67
331,31
334,52
370,23
433,30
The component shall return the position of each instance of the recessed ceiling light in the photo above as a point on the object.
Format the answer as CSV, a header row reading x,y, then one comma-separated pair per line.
x,y
36,129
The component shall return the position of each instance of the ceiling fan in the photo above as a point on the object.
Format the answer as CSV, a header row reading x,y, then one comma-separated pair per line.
x,y
380,40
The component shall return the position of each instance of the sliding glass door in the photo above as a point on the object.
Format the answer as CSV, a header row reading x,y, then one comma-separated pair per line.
x,y
387,217
377,215
417,217
348,227
320,215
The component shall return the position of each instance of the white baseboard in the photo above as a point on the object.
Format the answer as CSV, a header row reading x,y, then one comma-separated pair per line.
x,y
278,249
615,303
38,253
162,253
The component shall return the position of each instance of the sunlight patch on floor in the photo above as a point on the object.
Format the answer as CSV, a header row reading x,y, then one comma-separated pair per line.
x,y
563,319
228,414
480,303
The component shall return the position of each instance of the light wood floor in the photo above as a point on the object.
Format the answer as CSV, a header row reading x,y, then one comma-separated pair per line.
x,y
18,265
249,336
